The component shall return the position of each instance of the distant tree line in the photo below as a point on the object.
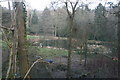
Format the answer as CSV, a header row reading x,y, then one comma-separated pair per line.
x,y
98,23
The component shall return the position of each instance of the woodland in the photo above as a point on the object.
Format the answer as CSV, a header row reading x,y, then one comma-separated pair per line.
x,y
66,40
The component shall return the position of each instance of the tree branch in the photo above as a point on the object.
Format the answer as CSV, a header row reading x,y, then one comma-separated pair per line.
x,y
3,27
66,5
74,10
6,40
38,60
71,5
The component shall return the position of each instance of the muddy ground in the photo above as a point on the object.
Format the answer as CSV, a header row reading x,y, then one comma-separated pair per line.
x,y
97,66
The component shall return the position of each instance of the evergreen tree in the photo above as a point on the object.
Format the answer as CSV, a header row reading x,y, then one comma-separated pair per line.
x,y
100,22
47,22
34,18
34,29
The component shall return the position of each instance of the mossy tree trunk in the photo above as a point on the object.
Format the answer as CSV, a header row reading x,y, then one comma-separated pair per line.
x,y
22,54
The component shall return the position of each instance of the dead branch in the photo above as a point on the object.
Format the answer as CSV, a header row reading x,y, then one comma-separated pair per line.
x,y
10,63
11,52
6,40
3,27
38,60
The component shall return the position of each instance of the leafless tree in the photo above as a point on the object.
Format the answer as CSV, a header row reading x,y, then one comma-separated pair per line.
x,y
71,7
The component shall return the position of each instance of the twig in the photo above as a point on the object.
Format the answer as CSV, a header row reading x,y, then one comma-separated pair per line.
x,y
10,63
11,53
3,27
6,40
30,69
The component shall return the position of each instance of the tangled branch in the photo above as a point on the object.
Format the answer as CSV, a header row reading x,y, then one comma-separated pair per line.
x,y
3,27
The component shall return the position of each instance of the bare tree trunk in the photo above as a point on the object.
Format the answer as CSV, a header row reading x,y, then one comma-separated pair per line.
x,y
69,58
85,46
69,48
118,35
23,61
81,50
85,54
14,51
13,65
11,70
70,21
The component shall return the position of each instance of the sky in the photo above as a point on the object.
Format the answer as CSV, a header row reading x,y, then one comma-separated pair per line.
x,y
41,4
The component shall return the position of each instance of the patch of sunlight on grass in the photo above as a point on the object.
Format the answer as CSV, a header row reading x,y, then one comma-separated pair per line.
x,y
32,37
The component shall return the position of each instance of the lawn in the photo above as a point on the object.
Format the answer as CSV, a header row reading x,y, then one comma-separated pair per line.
x,y
47,52
32,37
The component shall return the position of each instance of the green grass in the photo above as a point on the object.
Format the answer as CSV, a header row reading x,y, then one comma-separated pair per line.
x,y
49,53
32,37
46,52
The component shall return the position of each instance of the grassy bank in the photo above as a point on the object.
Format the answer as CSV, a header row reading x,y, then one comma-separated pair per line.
x,y
47,52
